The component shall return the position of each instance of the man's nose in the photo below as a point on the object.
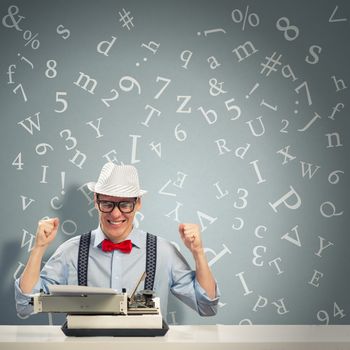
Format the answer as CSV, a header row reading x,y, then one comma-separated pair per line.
x,y
116,211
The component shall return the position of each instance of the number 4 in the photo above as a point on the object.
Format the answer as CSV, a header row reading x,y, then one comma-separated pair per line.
x,y
337,311
156,148
18,161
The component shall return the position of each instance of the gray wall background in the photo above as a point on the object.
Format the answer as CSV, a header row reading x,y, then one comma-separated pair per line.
x,y
235,114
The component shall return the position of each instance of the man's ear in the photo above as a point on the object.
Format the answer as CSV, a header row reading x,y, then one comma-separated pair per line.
x,y
138,204
95,200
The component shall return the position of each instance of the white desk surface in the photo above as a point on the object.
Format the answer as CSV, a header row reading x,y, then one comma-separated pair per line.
x,y
213,337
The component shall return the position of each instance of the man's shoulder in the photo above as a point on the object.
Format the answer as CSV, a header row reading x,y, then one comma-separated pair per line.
x,y
71,243
166,245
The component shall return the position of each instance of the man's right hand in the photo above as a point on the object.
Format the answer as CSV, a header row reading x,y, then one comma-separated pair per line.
x,y
46,232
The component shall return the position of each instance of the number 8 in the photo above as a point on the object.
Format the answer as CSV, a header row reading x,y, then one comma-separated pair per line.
x,y
287,28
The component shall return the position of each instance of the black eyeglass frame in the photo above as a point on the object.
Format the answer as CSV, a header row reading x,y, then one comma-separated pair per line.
x,y
116,204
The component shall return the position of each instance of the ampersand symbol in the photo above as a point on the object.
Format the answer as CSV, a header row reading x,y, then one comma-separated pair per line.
x,y
12,12
216,88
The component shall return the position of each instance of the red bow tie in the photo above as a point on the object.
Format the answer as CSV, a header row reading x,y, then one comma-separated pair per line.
x,y
125,246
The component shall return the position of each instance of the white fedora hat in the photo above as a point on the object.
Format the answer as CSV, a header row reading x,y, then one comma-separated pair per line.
x,y
118,181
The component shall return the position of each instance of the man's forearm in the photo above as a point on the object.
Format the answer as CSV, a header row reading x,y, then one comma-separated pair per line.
x,y
31,272
204,275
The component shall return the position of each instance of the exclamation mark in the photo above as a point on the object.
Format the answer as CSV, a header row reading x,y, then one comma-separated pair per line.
x,y
63,178
252,90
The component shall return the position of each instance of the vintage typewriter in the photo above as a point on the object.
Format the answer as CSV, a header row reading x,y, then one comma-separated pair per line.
x,y
102,311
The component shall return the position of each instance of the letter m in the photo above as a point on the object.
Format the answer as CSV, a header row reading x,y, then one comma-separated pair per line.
x,y
84,81
244,50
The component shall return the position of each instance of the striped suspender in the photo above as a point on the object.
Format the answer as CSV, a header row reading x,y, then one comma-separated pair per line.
x,y
83,258
151,259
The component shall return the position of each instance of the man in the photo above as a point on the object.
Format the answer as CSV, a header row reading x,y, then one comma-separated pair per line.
x,y
118,253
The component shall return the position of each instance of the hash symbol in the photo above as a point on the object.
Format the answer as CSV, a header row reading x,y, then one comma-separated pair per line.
x,y
270,64
126,19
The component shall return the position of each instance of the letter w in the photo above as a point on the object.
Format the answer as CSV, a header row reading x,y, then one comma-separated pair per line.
x,y
309,170
29,241
30,123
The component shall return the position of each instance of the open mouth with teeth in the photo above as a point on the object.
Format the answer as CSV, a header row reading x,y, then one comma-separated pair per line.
x,y
117,223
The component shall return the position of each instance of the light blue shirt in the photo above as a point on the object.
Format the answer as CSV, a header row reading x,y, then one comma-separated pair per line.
x,y
118,270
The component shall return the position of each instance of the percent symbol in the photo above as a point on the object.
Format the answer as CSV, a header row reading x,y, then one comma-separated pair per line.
x,y
30,39
238,17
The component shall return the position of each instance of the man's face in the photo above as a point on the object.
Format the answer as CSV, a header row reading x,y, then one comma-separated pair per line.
x,y
116,225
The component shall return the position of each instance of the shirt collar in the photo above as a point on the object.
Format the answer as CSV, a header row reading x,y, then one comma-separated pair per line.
x,y
135,236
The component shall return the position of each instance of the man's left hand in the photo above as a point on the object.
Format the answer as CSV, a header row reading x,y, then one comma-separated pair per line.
x,y
191,236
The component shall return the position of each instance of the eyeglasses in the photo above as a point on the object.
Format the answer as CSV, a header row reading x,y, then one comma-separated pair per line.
x,y
125,207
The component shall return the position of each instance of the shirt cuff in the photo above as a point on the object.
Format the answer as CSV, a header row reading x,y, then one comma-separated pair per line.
x,y
22,299
206,305
202,294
